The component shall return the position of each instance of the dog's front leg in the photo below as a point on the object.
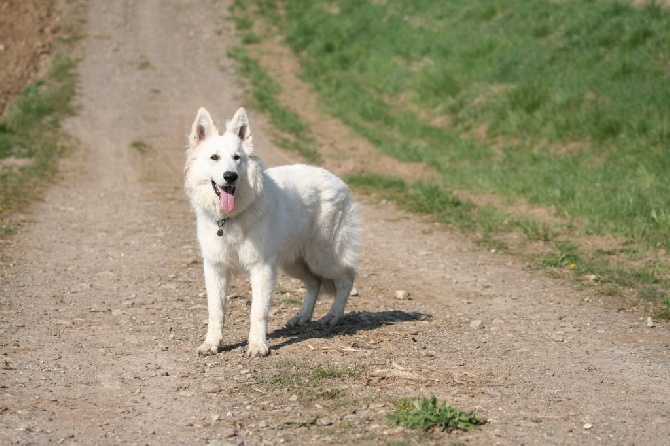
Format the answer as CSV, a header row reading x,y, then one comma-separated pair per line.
x,y
263,278
215,282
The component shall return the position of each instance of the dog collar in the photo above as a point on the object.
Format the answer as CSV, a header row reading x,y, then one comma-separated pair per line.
x,y
220,223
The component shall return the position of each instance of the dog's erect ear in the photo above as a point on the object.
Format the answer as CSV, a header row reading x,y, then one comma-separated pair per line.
x,y
239,125
203,127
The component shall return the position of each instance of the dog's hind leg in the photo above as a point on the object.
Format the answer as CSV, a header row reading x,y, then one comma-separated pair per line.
x,y
343,286
299,270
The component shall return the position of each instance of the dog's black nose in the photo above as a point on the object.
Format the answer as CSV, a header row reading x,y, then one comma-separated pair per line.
x,y
229,177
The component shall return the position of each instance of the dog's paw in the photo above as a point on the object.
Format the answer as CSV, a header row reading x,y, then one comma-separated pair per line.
x,y
297,320
330,320
257,350
207,349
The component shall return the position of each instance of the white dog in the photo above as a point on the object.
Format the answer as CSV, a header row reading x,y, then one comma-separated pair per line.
x,y
297,217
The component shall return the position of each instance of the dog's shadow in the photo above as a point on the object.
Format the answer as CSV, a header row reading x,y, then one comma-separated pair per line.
x,y
352,323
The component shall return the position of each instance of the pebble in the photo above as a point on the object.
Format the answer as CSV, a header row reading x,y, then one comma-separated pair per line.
x,y
558,337
650,322
229,432
210,388
64,323
325,421
354,292
263,424
476,324
293,397
402,295
588,426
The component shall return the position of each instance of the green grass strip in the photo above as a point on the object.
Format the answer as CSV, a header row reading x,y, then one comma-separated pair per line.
x,y
31,135
297,136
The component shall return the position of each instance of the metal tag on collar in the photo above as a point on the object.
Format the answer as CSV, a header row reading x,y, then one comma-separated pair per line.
x,y
220,223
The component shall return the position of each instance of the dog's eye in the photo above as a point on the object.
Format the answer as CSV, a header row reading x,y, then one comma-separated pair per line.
x,y
214,157
236,157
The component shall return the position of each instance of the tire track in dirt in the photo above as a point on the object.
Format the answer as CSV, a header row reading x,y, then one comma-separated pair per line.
x,y
101,305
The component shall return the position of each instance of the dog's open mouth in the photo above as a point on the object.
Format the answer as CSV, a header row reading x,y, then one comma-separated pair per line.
x,y
226,196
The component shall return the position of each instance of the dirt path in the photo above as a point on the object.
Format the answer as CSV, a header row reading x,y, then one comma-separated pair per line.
x,y
102,304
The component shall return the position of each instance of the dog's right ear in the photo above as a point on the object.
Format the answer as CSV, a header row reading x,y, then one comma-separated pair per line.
x,y
203,127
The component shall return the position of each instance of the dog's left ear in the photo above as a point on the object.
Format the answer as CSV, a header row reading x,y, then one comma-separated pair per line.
x,y
239,125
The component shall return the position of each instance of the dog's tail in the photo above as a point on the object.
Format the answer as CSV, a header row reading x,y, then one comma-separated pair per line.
x,y
348,235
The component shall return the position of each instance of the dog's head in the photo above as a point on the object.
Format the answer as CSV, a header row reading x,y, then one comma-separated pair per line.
x,y
223,172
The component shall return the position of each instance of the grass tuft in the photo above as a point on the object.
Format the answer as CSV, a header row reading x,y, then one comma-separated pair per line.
x,y
140,146
427,413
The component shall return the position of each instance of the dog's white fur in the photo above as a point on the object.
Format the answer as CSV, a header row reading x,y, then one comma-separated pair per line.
x,y
297,217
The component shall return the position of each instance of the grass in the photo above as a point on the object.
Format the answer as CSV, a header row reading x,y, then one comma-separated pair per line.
x,y
144,64
292,377
426,414
664,312
312,384
140,146
563,106
334,373
296,136
31,133
418,197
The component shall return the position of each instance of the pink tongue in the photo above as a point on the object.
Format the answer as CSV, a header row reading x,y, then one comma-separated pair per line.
x,y
227,201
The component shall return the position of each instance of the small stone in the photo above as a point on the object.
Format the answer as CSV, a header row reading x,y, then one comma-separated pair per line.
x,y
558,337
263,424
354,292
117,312
210,388
402,295
588,426
650,322
325,421
229,432
64,323
216,417
293,397
477,324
